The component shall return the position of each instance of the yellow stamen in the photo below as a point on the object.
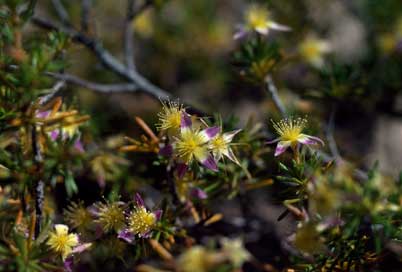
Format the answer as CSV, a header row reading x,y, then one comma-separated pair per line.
x,y
141,221
257,17
289,129
191,144
170,116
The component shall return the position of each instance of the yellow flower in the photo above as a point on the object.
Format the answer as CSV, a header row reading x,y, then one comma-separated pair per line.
x,y
78,217
290,134
61,242
235,251
312,50
110,216
141,221
199,259
170,116
220,146
257,19
143,23
193,144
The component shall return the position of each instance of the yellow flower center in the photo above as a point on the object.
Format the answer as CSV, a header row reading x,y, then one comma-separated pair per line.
x,y
289,129
141,221
170,116
257,17
218,144
190,145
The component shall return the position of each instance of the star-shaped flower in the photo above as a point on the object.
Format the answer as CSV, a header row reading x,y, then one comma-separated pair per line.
x,y
290,135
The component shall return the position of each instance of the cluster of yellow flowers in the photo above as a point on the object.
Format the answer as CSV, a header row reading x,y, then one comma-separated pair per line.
x,y
192,140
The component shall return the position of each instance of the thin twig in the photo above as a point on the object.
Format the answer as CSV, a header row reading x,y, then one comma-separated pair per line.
x,y
107,59
85,12
129,37
103,88
330,135
38,185
274,95
53,91
61,12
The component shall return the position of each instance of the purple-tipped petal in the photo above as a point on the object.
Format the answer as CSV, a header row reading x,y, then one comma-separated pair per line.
x,y
210,132
229,154
68,264
228,136
138,200
82,247
54,134
101,180
126,235
98,231
185,121
281,147
166,150
93,210
210,163
181,170
158,214
273,141
145,235
309,140
198,193
79,146
240,33
42,114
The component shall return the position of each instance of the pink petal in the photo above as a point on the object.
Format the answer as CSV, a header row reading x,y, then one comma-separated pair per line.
x,y
78,146
54,134
281,147
42,114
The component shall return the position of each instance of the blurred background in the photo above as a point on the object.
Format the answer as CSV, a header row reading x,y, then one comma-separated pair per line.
x,y
187,48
